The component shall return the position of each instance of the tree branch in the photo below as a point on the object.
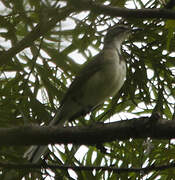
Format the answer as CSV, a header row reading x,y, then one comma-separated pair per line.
x,y
31,166
97,8
99,133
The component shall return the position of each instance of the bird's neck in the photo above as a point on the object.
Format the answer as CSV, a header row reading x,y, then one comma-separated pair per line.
x,y
114,44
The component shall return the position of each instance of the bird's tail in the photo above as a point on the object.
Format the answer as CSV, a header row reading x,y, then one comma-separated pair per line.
x,y
34,153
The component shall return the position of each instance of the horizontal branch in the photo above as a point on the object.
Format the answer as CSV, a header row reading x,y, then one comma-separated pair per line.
x,y
98,133
127,13
86,168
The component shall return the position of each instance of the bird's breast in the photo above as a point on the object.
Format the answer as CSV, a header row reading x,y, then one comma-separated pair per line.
x,y
115,71
108,80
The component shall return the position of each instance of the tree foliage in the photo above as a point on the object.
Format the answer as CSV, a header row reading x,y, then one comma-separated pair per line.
x,y
43,45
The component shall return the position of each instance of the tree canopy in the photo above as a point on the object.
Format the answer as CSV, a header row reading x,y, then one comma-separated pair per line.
x,y
43,45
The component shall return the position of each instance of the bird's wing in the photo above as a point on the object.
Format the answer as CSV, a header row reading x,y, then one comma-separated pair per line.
x,y
95,65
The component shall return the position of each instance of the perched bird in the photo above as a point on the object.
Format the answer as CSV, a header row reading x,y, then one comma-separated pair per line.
x,y
101,78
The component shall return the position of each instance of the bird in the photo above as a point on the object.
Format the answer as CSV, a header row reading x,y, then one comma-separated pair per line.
x,y
102,77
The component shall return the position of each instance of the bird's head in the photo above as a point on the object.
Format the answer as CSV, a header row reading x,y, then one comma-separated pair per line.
x,y
118,33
